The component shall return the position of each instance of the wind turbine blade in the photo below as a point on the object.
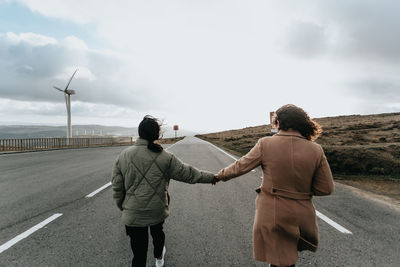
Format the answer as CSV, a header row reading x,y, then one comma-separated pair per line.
x,y
71,79
58,89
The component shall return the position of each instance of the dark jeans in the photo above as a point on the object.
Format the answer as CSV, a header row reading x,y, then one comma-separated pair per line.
x,y
140,239
277,266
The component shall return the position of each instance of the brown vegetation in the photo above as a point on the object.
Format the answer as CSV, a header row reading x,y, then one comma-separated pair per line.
x,y
164,141
354,145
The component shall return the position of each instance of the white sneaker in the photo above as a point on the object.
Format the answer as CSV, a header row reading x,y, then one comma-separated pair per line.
x,y
160,263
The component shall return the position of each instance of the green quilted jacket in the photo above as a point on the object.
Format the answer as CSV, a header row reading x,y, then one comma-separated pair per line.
x,y
140,180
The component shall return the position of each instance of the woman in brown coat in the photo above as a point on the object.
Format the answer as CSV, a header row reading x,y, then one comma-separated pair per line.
x,y
294,170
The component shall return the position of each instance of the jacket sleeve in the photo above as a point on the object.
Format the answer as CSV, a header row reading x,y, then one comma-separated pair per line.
x,y
322,184
117,181
242,165
188,174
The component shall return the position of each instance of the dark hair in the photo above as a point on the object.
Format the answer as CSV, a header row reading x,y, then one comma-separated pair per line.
x,y
294,117
149,129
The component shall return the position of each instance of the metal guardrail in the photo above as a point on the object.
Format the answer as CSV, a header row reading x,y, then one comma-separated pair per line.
x,y
31,144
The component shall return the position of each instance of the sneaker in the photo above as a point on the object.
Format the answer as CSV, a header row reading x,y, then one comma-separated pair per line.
x,y
160,263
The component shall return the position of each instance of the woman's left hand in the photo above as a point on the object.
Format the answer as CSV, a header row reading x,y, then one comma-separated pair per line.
x,y
215,180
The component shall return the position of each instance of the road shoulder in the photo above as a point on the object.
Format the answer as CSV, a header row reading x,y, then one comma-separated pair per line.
x,y
367,191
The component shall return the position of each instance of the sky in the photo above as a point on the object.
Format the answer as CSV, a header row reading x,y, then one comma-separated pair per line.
x,y
204,65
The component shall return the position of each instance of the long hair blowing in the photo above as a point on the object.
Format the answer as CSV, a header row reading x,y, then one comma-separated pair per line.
x,y
293,117
149,129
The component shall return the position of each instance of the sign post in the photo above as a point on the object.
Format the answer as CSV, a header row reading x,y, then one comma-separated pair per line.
x,y
176,128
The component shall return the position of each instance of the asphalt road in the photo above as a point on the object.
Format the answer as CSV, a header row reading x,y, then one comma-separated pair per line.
x,y
208,225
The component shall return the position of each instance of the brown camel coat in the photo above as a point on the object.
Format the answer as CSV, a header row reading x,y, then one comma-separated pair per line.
x,y
294,169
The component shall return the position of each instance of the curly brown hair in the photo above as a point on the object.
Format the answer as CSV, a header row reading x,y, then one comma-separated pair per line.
x,y
293,117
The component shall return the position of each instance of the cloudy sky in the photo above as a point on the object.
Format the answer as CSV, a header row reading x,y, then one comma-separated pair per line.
x,y
205,65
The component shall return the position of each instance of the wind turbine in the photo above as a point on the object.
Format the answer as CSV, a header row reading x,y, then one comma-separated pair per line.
x,y
67,94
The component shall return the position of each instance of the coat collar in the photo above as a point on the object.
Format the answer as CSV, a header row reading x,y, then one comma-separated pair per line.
x,y
141,142
290,133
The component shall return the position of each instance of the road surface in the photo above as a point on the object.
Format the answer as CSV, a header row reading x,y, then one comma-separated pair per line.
x,y
48,220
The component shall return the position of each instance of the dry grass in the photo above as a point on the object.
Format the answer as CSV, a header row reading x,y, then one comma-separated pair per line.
x,y
363,151
354,144
169,140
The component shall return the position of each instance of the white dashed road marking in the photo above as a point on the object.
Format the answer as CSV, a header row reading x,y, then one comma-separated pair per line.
x,y
28,232
223,151
332,223
319,214
98,190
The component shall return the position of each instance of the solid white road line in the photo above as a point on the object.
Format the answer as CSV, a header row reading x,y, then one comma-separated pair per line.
x,y
171,146
98,190
27,233
319,214
223,151
174,144
332,223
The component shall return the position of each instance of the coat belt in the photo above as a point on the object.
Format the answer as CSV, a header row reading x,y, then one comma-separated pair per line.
x,y
288,194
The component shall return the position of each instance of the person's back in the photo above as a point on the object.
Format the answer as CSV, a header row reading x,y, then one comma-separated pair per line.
x,y
140,180
290,162
146,178
294,169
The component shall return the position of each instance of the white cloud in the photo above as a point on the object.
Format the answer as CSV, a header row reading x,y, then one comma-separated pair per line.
x,y
9,107
84,73
42,112
306,40
31,64
362,30
213,64
28,38
73,42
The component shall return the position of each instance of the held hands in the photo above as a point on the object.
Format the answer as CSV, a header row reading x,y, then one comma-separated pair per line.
x,y
215,180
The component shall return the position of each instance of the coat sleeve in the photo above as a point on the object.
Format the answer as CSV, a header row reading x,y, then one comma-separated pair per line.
x,y
188,174
322,184
242,165
117,181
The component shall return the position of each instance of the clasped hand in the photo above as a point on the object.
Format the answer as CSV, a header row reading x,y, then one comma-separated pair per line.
x,y
215,180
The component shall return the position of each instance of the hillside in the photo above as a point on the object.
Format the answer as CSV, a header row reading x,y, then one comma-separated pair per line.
x,y
44,131
354,145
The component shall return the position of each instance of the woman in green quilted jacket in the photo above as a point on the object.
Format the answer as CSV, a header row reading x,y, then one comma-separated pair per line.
x,y
140,181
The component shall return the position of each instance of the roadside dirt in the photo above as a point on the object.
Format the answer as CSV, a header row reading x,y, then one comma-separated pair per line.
x,y
169,140
371,193
387,188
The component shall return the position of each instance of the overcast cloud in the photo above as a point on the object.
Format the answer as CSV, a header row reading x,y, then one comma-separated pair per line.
x,y
209,65
365,30
31,64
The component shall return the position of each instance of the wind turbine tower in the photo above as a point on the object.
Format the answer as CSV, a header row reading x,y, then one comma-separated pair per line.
x,y
67,95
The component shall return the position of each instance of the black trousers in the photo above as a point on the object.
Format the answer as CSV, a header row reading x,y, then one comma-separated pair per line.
x,y
277,266
140,239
